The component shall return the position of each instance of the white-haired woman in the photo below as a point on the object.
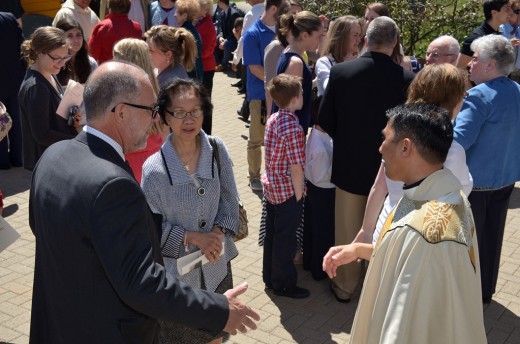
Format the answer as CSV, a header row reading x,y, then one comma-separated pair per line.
x,y
487,127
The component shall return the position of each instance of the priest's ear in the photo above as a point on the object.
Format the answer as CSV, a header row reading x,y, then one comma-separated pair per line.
x,y
407,147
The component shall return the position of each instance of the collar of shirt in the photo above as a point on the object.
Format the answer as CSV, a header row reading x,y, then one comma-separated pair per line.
x,y
105,138
287,112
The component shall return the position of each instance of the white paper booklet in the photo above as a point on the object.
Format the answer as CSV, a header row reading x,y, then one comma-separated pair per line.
x,y
73,96
8,234
194,260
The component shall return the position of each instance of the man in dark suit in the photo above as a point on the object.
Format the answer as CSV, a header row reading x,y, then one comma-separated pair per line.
x,y
352,112
98,275
12,72
226,40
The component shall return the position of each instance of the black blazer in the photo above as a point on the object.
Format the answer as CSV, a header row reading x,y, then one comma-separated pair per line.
x,y
227,22
41,125
12,67
352,112
98,276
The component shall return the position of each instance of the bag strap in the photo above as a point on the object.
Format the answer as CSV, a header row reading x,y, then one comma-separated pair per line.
x,y
215,156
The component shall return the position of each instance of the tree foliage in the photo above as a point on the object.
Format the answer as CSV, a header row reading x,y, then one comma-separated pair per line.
x,y
420,21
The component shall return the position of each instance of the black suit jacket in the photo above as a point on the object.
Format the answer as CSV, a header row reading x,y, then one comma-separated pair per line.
x,y
12,67
352,112
98,276
227,22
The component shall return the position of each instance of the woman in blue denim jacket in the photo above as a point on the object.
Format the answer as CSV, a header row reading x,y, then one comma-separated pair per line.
x,y
487,127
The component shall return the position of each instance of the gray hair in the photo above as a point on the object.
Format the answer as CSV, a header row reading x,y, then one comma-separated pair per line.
x,y
450,42
382,32
110,84
498,48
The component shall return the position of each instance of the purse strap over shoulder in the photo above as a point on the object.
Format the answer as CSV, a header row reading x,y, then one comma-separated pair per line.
x,y
215,156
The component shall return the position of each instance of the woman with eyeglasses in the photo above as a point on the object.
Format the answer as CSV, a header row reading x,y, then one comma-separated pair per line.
x,y
487,127
190,183
46,53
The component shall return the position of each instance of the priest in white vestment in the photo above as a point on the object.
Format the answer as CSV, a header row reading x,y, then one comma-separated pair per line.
x,y
423,281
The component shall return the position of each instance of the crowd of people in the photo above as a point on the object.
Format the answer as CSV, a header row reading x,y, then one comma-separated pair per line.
x,y
152,189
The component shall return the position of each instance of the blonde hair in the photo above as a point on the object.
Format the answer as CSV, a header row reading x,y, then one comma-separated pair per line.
x,y
206,4
190,7
177,40
133,50
43,40
337,45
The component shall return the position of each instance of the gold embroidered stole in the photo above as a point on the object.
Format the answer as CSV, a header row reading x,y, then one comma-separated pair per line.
x,y
435,221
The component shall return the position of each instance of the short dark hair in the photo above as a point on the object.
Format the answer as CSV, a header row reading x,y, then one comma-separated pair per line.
x,y
428,126
119,6
283,88
490,5
239,22
183,86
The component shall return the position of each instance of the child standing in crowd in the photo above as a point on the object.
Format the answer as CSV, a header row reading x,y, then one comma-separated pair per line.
x,y
284,186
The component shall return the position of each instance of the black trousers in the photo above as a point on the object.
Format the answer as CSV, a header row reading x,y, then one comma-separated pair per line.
x,y
207,81
318,229
281,223
489,212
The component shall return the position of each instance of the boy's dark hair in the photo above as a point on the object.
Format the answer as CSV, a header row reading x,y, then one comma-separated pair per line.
x,y
239,22
490,5
428,126
119,6
283,88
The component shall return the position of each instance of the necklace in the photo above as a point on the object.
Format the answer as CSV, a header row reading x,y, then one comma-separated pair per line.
x,y
188,159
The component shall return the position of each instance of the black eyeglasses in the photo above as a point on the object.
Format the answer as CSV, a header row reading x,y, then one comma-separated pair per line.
x,y
516,11
181,114
153,109
59,59
437,55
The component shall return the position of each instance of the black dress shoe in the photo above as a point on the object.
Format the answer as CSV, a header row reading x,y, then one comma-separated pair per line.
x,y
486,299
241,90
294,292
237,84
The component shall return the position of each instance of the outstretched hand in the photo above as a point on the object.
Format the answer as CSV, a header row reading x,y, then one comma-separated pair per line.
x,y
241,316
337,256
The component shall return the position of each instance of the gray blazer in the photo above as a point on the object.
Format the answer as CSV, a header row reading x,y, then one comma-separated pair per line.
x,y
184,210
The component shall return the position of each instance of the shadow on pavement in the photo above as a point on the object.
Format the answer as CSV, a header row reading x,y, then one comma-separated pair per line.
x,y
14,181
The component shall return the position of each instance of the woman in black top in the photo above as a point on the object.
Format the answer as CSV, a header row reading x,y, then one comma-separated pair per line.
x,y
40,94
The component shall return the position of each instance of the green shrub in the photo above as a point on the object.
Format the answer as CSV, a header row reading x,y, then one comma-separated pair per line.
x,y
420,21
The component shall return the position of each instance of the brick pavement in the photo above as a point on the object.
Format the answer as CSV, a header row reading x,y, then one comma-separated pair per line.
x,y
317,319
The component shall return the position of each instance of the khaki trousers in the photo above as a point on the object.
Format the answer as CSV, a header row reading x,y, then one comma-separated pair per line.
x,y
349,212
256,139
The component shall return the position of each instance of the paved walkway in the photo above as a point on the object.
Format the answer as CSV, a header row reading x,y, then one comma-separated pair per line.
x,y
317,319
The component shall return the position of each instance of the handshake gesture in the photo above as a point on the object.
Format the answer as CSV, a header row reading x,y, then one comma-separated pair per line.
x,y
241,316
